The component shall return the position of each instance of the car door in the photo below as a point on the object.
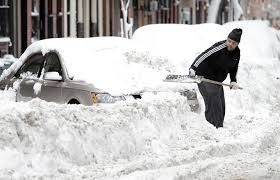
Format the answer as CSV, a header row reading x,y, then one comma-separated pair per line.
x,y
27,76
51,89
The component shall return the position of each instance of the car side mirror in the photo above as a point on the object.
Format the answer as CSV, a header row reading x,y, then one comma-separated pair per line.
x,y
52,76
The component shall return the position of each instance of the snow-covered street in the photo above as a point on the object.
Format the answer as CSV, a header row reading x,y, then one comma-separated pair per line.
x,y
158,136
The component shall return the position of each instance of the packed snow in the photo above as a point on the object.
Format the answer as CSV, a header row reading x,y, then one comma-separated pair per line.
x,y
158,136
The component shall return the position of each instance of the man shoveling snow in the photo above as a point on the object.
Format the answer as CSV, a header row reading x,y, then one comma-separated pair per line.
x,y
216,63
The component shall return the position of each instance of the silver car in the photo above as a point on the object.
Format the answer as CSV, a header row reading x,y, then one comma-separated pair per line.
x,y
45,75
81,71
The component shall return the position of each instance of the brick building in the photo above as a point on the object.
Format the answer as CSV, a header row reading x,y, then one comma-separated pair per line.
x,y
25,21
194,11
262,10
256,9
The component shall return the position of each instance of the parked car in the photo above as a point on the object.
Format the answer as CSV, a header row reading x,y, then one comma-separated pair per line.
x,y
87,71
43,71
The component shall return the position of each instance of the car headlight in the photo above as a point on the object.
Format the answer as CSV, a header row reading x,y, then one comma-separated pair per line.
x,y
102,98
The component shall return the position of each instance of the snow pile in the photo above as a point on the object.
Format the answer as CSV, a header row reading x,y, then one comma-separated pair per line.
x,y
157,137
41,139
258,39
185,42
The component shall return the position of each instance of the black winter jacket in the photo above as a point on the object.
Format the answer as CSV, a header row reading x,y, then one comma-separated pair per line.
x,y
216,62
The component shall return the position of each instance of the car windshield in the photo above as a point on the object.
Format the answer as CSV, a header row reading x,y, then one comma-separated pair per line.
x,y
32,66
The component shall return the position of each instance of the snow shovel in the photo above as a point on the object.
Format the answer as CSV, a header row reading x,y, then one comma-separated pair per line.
x,y
189,79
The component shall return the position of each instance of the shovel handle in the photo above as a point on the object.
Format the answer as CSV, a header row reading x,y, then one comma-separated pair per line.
x,y
216,82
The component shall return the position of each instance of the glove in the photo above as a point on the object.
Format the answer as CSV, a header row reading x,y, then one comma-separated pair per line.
x,y
191,72
233,85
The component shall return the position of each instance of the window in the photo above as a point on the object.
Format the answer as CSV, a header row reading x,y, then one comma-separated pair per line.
x,y
164,3
153,5
35,20
4,18
59,19
3,2
53,64
33,66
55,14
68,18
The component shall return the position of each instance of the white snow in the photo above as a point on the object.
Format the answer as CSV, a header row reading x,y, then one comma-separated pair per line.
x,y
7,59
5,39
37,87
157,137
187,42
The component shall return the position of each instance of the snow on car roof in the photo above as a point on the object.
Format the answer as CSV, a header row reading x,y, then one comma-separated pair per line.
x,y
109,63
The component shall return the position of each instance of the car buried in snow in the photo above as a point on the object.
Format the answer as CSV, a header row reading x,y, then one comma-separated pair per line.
x,y
60,70
86,71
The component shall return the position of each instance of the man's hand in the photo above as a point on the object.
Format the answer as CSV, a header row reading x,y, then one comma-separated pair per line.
x,y
191,72
233,85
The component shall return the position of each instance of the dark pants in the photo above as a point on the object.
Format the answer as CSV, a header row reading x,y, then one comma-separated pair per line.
x,y
214,100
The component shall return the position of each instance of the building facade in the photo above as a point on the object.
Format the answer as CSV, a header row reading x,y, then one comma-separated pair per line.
x,y
262,10
25,21
256,9
5,26
194,11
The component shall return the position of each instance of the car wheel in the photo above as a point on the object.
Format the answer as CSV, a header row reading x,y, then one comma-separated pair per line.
x,y
73,101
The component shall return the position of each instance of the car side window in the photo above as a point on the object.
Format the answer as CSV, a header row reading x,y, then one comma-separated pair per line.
x,y
33,66
53,64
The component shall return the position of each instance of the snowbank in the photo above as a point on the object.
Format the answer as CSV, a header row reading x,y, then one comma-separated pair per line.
x,y
179,44
185,42
258,39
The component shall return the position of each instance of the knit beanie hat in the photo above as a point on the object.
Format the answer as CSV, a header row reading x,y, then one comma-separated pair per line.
x,y
235,34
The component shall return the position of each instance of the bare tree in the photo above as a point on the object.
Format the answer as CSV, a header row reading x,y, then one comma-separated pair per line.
x,y
213,11
126,27
235,10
